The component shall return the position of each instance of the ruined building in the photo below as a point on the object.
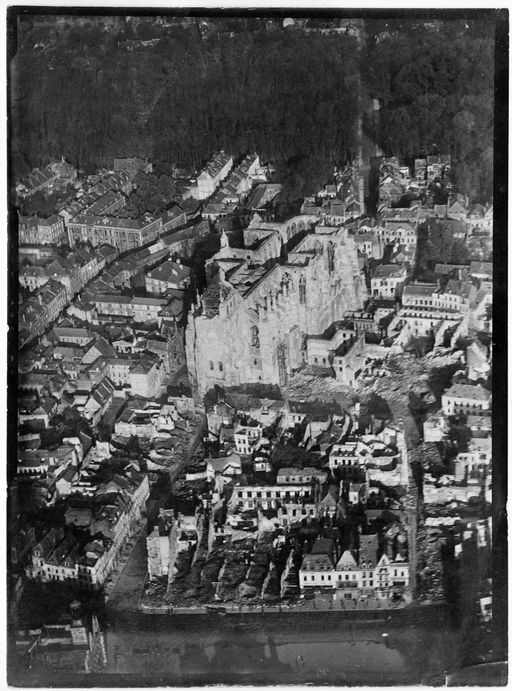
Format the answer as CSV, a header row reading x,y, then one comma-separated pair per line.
x,y
290,280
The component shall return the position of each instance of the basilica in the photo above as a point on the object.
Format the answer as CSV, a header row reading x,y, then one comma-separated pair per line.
x,y
289,281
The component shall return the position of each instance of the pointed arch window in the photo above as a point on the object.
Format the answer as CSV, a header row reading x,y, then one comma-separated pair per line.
x,y
302,290
255,336
330,257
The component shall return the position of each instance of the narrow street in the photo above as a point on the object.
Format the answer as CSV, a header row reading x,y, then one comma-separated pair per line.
x,y
127,590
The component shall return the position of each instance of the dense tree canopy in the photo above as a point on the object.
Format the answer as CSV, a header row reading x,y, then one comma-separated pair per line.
x,y
283,95
177,94
435,90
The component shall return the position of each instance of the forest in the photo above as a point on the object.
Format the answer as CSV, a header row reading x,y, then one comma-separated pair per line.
x,y
175,95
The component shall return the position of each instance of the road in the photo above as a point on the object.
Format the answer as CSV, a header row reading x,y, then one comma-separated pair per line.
x,y
126,593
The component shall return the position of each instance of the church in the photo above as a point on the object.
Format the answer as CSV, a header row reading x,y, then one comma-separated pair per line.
x,y
291,280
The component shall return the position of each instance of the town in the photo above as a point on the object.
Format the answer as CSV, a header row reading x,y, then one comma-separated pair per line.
x,y
237,400
318,410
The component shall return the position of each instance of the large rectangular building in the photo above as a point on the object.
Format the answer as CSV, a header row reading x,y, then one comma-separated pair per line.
x,y
260,306
122,233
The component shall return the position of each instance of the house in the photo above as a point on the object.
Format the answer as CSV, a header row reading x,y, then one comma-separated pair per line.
x,y
173,218
98,401
100,348
33,277
169,275
478,361
38,311
246,436
146,377
349,359
64,481
212,175
300,476
465,399
387,281
229,466
472,465
297,411
268,496
420,168
119,232
359,575
37,414
457,210
70,334
170,536
357,493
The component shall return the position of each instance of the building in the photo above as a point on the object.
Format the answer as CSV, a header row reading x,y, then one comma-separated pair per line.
x,y
168,275
456,296
33,277
173,218
357,574
33,230
212,175
147,377
268,496
54,175
117,509
122,233
286,476
478,361
36,313
70,334
252,321
76,643
401,232
387,281
246,436
349,359
169,537
161,545
143,309
465,399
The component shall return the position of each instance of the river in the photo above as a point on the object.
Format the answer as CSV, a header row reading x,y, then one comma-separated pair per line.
x,y
292,650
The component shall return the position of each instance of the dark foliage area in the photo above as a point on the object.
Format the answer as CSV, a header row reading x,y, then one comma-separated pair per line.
x,y
289,97
151,194
434,82
437,244
91,91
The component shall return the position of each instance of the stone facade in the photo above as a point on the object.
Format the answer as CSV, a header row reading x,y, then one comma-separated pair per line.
x,y
259,307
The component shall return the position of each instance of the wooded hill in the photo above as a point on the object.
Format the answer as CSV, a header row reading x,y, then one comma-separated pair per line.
x,y
90,93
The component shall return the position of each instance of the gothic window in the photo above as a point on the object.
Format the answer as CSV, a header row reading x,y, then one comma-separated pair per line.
x,y
302,290
221,368
211,364
255,336
330,257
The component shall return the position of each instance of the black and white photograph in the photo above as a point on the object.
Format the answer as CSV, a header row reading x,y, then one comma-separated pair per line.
x,y
253,435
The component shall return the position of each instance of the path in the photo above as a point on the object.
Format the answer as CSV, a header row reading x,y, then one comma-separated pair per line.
x,y
126,593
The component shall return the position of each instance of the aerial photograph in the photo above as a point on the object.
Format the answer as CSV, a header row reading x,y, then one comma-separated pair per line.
x,y
251,437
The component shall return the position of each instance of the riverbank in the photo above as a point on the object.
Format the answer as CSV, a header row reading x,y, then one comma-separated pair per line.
x,y
411,615
317,648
